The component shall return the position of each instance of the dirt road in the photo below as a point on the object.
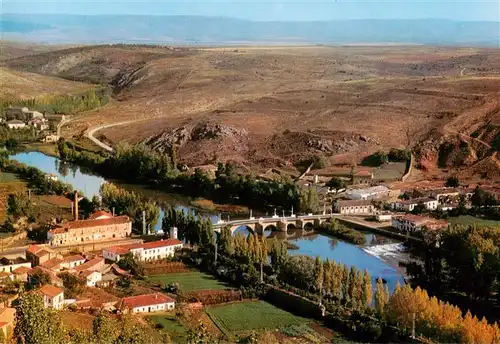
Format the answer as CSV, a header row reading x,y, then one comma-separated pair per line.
x,y
91,132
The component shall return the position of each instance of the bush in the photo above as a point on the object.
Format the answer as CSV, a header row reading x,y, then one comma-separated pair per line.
x,y
343,232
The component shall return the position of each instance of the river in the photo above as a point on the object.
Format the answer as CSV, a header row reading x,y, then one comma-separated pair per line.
x,y
379,256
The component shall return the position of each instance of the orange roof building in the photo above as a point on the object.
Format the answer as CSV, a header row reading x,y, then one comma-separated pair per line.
x,y
52,296
155,250
147,303
101,226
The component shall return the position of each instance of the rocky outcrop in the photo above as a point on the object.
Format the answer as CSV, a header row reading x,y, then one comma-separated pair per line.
x,y
181,136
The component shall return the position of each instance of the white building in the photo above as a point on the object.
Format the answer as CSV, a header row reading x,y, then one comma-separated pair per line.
x,y
91,277
373,192
15,124
9,265
148,303
52,296
72,261
356,207
155,250
413,223
409,205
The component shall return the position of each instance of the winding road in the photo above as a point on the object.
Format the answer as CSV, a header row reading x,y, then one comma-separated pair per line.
x,y
91,132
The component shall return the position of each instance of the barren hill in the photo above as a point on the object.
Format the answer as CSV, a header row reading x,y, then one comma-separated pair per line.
x,y
275,106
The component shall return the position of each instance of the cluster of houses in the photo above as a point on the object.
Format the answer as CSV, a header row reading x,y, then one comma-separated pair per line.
x,y
361,201
96,271
22,117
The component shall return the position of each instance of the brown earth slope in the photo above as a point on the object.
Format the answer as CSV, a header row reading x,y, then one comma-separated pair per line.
x,y
269,106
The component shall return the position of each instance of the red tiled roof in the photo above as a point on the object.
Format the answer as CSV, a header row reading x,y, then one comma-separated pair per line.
x,y
353,203
363,174
416,219
161,243
2,324
124,249
82,224
21,270
99,214
51,290
52,263
88,265
74,258
5,274
33,249
146,300
87,273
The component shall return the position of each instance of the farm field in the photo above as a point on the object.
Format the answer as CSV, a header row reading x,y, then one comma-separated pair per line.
x,y
168,322
252,315
190,281
468,220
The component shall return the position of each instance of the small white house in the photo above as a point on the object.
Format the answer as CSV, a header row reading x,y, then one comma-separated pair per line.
x,y
148,303
91,277
71,262
372,192
15,124
155,250
9,265
409,205
52,296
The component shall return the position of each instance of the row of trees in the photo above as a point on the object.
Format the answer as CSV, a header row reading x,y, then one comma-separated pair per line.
x,y
140,164
129,203
347,291
191,229
459,251
63,104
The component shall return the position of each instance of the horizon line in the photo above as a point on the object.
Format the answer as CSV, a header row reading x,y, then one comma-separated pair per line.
x,y
250,20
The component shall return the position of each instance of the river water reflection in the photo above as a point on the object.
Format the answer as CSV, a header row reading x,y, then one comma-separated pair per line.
x,y
371,258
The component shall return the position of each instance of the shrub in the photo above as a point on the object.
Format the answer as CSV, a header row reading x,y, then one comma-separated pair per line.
x,y
343,232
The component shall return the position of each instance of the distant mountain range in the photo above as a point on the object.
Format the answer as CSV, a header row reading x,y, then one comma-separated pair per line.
x,y
217,30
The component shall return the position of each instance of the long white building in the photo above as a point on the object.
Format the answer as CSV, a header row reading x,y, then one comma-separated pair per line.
x,y
144,252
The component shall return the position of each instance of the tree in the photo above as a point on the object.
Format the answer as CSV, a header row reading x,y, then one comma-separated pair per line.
x,y
381,297
19,205
367,289
419,208
200,335
452,182
39,278
72,283
36,324
318,277
482,198
263,257
336,184
103,331
309,201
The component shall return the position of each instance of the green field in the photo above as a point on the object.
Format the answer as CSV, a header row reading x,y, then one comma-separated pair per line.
x,y
168,322
468,220
252,315
190,281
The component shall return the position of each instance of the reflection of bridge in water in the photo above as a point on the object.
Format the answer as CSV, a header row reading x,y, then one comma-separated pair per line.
x,y
277,223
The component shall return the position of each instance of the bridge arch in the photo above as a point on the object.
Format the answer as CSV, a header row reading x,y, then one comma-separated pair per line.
x,y
243,229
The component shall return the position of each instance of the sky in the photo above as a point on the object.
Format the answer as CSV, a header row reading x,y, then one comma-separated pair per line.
x,y
271,10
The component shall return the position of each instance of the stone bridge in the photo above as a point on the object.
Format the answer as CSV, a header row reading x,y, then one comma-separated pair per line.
x,y
279,223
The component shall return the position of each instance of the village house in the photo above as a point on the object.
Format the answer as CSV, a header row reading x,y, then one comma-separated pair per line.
x,y
101,228
21,274
354,207
15,124
52,296
91,277
54,279
9,265
95,264
38,255
373,192
147,303
445,195
409,205
39,123
144,252
51,138
362,178
7,318
413,223
73,261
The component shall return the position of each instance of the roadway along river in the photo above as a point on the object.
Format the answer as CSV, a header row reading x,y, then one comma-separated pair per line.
x,y
379,257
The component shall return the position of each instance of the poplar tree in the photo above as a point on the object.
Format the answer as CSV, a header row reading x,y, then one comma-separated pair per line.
x,y
327,275
318,275
381,297
345,283
367,289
